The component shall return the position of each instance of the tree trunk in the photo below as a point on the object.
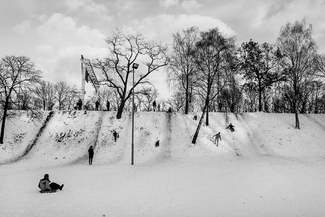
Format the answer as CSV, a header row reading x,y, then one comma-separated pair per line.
x,y
196,134
187,96
3,123
259,100
297,120
295,104
120,110
296,114
207,106
207,111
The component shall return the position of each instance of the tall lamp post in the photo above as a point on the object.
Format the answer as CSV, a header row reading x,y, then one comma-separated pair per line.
x,y
134,66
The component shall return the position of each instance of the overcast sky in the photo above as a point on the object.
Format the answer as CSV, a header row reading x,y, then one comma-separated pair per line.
x,y
54,33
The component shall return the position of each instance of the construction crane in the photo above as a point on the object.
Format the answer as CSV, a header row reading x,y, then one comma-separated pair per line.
x,y
88,74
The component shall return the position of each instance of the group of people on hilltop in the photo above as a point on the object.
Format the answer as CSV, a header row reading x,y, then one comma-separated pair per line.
x,y
79,104
97,105
87,107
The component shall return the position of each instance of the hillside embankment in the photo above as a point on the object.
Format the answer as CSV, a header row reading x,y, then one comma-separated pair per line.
x,y
67,135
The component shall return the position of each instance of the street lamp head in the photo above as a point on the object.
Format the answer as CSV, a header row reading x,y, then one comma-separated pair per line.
x,y
135,65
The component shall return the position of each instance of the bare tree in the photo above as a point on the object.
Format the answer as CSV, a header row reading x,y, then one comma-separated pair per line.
x,y
182,62
231,95
45,92
125,50
258,64
108,98
214,53
62,92
177,101
147,96
72,98
15,72
298,52
25,98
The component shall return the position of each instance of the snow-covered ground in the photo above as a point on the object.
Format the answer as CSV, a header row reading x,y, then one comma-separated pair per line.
x,y
264,168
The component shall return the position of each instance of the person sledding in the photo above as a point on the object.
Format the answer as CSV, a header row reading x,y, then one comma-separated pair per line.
x,y
231,127
47,186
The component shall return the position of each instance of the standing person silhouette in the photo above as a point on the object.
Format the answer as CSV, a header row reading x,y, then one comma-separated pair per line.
x,y
91,155
116,135
217,137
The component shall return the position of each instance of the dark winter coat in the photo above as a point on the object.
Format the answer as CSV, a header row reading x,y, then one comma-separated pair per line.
x,y
91,152
44,185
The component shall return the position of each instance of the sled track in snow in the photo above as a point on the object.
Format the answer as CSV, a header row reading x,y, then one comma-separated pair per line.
x,y
187,128
165,152
315,121
169,138
94,142
32,143
226,117
257,148
123,154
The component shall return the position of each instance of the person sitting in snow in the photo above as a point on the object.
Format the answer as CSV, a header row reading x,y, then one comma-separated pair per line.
x,y
217,137
47,186
91,154
231,127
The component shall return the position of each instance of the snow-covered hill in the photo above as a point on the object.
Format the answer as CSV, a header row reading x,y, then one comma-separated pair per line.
x,y
68,135
264,168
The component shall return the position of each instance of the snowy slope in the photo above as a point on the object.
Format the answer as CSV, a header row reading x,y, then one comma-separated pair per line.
x,y
276,134
66,138
148,129
264,168
68,135
20,132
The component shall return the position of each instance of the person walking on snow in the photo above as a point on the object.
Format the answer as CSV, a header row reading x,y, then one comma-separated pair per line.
x,y
91,155
47,186
217,137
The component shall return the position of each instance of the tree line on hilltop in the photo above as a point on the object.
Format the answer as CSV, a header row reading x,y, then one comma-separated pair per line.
x,y
206,72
